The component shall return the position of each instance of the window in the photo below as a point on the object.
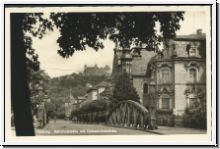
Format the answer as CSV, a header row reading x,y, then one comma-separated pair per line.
x,y
192,52
165,76
192,75
165,103
145,88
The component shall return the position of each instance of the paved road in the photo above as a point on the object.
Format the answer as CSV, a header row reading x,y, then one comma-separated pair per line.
x,y
61,127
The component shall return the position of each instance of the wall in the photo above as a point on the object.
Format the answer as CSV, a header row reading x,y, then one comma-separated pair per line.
x,y
182,83
94,95
99,91
181,77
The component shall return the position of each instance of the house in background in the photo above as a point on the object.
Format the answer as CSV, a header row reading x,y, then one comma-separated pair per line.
x,y
177,75
170,80
92,94
95,92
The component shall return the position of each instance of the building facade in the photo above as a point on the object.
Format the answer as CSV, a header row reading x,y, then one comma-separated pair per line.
x,y
169,81
97,71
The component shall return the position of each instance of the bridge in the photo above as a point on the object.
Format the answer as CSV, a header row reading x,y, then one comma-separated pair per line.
x,y
128,113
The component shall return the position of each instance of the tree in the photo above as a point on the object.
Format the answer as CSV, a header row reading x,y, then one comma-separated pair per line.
x,y
78,31
124,89
195,114
38,86
23,58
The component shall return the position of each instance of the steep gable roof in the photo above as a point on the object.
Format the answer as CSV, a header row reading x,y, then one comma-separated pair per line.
x,y
191,37
140,64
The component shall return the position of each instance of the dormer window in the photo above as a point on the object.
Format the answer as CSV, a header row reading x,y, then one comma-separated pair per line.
x,y
192,52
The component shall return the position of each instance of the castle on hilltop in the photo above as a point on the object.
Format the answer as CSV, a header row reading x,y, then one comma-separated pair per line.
x,y
97,71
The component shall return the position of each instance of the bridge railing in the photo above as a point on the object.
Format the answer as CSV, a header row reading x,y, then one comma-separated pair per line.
x,y
130,114
127,113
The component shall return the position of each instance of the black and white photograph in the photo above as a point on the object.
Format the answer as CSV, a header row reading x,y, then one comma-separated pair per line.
x,y
108,72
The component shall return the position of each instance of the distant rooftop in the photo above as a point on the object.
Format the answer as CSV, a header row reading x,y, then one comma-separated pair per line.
x,y
198,36
102,84
81,98
91,89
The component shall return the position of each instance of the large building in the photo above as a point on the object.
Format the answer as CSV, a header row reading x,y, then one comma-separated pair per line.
x,y
170,80
97,71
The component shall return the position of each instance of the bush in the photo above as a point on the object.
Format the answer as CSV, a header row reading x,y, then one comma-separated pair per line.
x,y
60,115
124,89
96,108
195,115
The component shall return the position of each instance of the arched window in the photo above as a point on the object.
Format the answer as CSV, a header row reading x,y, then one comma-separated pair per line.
x,y
165,102
165,75
192,75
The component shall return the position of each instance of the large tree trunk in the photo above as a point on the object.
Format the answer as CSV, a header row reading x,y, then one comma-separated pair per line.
x,y
20,95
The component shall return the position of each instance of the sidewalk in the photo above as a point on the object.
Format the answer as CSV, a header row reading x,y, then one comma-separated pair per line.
x,y
165,130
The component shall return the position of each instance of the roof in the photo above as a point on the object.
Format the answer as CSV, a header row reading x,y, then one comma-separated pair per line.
x,y
153,59
102,84
91,89
140,64
81,98
107,91
194,37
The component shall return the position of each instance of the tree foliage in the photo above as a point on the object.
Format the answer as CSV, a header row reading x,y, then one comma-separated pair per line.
x,y
97,107
34,24
124,89
79,30
38,85
195,115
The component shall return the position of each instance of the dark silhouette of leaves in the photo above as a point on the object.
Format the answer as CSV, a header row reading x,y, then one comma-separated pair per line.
x,y
79,30
124,89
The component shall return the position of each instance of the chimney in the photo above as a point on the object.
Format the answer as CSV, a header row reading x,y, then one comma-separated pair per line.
x,y
199,31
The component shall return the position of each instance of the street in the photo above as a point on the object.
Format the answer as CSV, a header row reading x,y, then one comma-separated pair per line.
x,y
62,127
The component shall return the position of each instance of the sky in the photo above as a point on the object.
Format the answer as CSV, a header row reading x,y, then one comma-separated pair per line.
x,y
54,65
